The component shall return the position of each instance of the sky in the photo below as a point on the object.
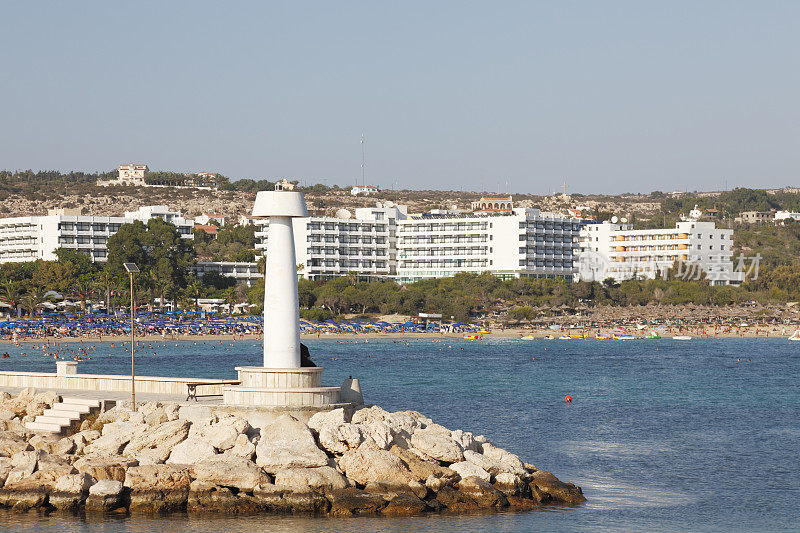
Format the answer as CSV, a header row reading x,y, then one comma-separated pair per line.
x,y
607,97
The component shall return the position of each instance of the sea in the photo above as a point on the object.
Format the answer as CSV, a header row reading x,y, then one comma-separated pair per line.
x,y
662,435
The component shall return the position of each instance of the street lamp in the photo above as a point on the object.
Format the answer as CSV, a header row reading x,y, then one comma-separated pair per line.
x,y
132,269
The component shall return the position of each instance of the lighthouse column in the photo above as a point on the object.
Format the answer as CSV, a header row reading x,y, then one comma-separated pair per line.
x,y
281,309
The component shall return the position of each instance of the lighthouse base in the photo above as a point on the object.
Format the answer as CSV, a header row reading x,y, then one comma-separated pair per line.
x,y
281,387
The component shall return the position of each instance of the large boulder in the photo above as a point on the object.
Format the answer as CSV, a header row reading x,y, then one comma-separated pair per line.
x,y
482,493
308,479
11,444
191,451
437,444
377,434
5,467
163,436
332,418
242,448
221,435
503,460
466,469
288,443
106,468
420,468
364,465
104,496
547,488
352,502
115,436
404,505
70,491
157,488
233,472
337,439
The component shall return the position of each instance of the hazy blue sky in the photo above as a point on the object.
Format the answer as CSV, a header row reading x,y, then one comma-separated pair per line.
x,y
609,96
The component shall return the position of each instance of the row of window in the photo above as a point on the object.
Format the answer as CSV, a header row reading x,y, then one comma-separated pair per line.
x,y
447,263
343,226
443,239
540,263
443,226
318,250
347,239
330,263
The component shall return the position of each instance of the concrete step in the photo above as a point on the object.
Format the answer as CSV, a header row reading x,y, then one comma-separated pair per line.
x,y
60,420
80,401
63,413
44,427
72,408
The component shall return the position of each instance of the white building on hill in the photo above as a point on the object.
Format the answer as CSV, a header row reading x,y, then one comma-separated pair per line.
x,y
38,237
130,174
363,244
612,250
525,243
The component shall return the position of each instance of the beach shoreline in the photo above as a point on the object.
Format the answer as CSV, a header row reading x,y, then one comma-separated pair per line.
x,y
507,333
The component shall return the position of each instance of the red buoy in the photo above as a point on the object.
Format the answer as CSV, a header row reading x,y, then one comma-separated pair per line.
x,y
568,399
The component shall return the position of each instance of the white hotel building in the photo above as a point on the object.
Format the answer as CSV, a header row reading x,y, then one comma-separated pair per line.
x,y
38,237
363,244
525,243
611,250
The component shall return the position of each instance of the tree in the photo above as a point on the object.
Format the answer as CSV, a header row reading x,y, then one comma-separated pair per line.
x,y
12,294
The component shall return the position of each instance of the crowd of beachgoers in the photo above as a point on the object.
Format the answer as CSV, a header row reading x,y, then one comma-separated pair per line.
x,y
197,326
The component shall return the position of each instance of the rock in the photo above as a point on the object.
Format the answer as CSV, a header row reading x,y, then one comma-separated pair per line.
x,y
421,469
153,456
9,445
419,490
547,488
242,448
190,452
5,467
404,505
376,434
509,484
157,488
164,436
437,444
482,493
85,425
481,461
309,479
24,463
233,472
466,440
104,496
86,436
276,500
70,491
63,446
503,461
43,442
106,468
171,410
197,414
207,497
339,439
6,415
466,469
156,418
367,414
36,408
288,443
364,465
333,418
221,436
353,502
114,438
435,483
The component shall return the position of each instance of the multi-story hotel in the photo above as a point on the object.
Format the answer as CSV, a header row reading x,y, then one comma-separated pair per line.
x,y
363,244
30,238
612,250
526,243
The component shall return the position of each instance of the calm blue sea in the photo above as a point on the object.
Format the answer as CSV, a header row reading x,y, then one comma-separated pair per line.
x,y
662,435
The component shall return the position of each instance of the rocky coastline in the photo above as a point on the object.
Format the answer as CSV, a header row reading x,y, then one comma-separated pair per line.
x,y
167,457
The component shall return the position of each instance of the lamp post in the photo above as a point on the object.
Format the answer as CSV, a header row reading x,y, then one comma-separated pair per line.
x,y
132,269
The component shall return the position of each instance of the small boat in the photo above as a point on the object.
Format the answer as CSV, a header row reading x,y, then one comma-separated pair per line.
x,y
624,337
549,337
483,331
527,338
682,338
795,336
577,335
564,338
653,336
472,336
602,336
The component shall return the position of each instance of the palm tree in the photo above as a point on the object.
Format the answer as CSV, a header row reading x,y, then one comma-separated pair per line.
x,y
12,294
32,299
230,298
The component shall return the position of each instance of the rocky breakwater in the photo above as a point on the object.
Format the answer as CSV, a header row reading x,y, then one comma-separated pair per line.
x,y
166,458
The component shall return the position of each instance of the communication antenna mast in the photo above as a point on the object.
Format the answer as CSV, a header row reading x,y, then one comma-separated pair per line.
x,y
363,160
